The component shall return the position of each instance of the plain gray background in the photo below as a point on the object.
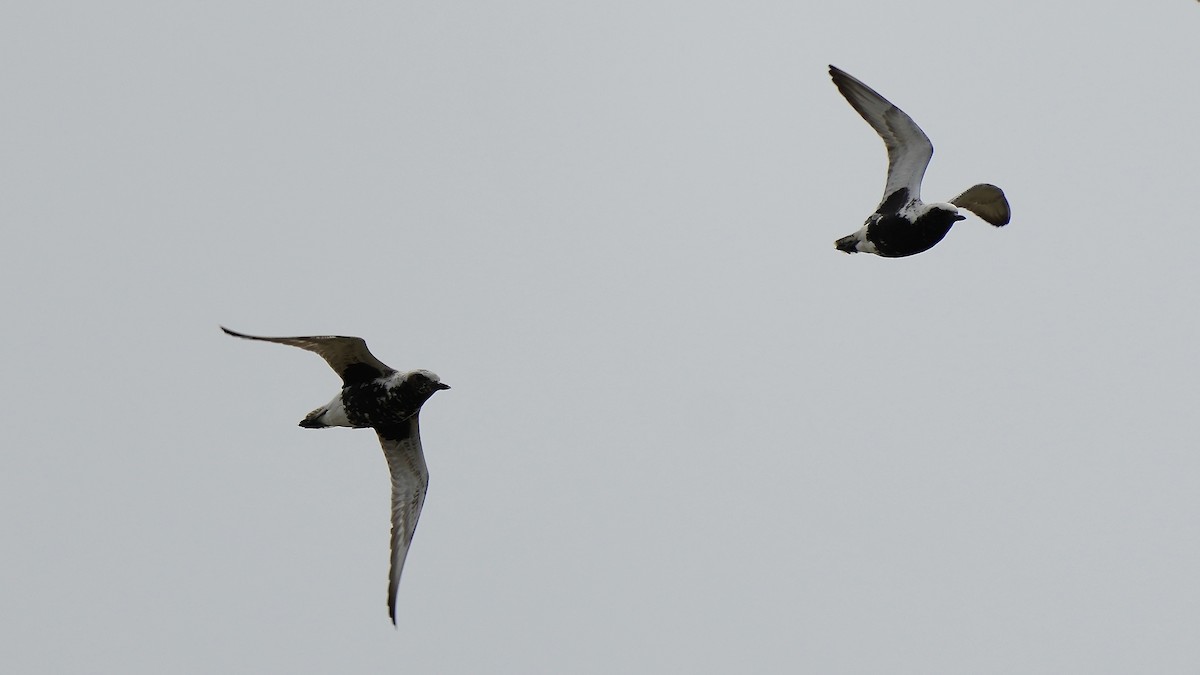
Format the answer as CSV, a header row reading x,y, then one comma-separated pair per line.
x,y
685,435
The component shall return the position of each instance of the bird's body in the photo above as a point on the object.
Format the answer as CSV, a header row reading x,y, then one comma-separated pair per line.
x,y
908,230
383,401
376,396
903,225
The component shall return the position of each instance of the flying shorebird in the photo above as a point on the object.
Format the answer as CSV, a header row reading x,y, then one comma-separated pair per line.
x,y
377,397
902,224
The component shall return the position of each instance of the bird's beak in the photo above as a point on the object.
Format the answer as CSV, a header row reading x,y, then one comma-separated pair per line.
x,y
442,385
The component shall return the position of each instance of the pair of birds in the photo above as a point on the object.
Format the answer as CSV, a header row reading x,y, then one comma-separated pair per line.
x,y
379,397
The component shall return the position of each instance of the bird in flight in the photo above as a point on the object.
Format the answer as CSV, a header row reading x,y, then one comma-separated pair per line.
x,y
903,225
376,396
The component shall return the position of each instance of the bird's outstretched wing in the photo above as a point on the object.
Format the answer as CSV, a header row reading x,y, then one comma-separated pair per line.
x,y
909,149
986,201
348,356
410,479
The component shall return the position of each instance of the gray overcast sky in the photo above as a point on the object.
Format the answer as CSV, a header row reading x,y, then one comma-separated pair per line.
x,y
686,435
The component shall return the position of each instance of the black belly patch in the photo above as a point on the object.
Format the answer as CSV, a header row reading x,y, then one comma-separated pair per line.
x,y
372,404
895,236
399,432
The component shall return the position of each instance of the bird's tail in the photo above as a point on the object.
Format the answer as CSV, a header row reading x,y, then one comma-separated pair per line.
x,y
313,419
849,244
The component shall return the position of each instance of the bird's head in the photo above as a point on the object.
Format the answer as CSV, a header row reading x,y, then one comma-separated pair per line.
x,y
941,211
424,383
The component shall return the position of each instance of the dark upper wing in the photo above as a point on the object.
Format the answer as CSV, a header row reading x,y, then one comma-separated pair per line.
x,y
410,479
986,201
348,356
909,149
